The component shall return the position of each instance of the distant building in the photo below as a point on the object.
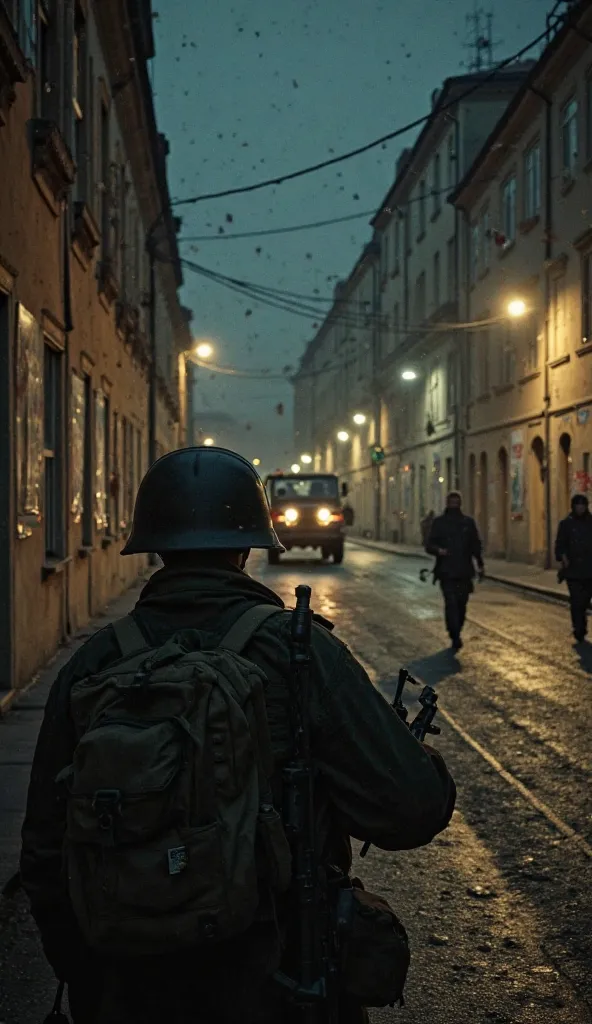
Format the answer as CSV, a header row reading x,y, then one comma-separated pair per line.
x,y
83,182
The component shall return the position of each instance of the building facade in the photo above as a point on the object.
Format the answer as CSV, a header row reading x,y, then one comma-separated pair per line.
x,y
91,341
415,286
527,208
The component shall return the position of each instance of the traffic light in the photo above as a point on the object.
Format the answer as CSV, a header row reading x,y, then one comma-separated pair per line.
x,y
377,454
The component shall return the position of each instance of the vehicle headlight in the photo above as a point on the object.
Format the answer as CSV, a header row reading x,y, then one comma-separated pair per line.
x,y
291,515
324,515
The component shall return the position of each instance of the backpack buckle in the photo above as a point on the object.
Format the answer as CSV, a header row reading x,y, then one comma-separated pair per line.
x,y
106,803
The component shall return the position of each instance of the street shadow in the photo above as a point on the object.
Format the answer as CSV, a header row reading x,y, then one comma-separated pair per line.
x,y
584,653
435,668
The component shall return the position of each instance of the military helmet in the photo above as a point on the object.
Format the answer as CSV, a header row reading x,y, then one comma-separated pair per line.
x,y
198,499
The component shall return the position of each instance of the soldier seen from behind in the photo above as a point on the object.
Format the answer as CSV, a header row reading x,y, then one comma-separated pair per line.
x,y
573,549
156,863
454,540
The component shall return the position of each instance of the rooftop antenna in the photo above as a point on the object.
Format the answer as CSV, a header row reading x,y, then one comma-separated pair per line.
x,y
480,40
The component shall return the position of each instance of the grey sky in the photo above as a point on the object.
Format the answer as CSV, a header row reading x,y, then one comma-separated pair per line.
x,y
251,89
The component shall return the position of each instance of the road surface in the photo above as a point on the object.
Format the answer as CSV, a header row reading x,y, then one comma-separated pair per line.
x,y
499,908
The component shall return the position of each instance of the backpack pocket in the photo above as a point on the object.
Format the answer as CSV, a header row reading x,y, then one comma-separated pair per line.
x,y
375,949
122,784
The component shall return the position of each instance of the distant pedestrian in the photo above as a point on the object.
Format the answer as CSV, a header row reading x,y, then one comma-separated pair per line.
x,y
454,540
573,549
426,526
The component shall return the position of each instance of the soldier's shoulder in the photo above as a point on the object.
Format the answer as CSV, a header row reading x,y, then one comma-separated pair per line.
x,y
95,654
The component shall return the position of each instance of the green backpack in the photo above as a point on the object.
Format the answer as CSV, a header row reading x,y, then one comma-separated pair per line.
x,y
171,831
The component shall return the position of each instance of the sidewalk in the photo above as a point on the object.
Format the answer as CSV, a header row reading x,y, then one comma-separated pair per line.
x,y
18,731
512,574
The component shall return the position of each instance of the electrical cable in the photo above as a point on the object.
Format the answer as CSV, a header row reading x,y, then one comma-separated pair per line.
x,y
359,150
278,231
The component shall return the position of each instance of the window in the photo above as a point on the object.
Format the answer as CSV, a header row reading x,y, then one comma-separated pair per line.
x,y
397,253
509,210
385,256
87,492
421,224
53,422
101,459
527,328
483,370
587,298
557,318
475,254
485,240
420,297
450,382
105,170
451,268
532,182
436,280
79,105
451,162
45,64
569,137
507,356
23,16
437,186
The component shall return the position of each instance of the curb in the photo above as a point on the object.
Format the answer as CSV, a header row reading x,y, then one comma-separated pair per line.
x,y
506,581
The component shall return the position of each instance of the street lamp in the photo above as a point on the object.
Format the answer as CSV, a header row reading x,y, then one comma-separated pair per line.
x,y
295,468
408,375
359,419
208,442
343,435
256,462
204,350
516,308
306,459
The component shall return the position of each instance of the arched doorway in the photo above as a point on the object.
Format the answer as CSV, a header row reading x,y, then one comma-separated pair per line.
x,y
483,488
502,500
472,482
564,476
536,486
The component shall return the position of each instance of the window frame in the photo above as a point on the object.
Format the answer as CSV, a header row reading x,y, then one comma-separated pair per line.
x,y
569,166
54,512
509,188
532,197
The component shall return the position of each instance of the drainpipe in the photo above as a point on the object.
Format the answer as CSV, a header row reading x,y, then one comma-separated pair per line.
x,y
152,405
376,395
460,219
547,394
68,327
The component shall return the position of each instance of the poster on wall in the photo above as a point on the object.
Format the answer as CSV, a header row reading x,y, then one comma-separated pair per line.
x,y
29,420
101,462
77,421
517,474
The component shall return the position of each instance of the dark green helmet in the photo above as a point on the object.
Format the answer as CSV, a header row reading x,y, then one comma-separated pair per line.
x,y
199,499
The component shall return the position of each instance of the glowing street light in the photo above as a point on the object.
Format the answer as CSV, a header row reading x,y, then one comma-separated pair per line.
x,y
208,442
516,308
359,419
343,435
295,468
408,375
306,459
204,350
256,462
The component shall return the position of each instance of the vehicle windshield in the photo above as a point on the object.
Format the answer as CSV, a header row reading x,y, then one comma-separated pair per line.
x,y
294,487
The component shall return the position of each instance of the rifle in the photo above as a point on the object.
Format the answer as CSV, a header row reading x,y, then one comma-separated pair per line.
x,y
421,724
311,989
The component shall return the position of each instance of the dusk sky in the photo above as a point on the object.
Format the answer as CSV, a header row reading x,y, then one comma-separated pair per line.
x,y
251,89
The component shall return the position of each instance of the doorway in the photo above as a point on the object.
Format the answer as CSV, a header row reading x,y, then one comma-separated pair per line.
x,y
502,501
6,499
536,483
483,495
564,476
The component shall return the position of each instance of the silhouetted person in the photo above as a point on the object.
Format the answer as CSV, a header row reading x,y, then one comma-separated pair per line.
x,y
454,540
573,548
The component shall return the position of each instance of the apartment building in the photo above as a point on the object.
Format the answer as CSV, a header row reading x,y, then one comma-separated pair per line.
x,y
527,249
91,341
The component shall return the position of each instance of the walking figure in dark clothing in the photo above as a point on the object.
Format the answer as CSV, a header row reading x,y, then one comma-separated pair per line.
x,y
454,540
573,549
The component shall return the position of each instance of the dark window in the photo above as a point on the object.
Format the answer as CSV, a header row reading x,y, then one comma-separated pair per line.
x,y
53,423
80,110
88,493
105,182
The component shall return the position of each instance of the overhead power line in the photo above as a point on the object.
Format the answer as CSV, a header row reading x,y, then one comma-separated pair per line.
x,y
323,164
278,231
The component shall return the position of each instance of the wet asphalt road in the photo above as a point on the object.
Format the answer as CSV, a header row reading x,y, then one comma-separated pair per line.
x,y
499,908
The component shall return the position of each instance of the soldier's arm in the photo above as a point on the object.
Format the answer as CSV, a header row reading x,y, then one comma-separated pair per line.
x,y
385,786
434,542
561,543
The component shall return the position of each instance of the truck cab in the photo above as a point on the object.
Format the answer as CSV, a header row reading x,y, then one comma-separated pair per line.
x,y
307,513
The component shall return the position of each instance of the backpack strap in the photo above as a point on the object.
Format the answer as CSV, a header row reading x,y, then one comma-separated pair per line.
x,y
239,634
129,635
